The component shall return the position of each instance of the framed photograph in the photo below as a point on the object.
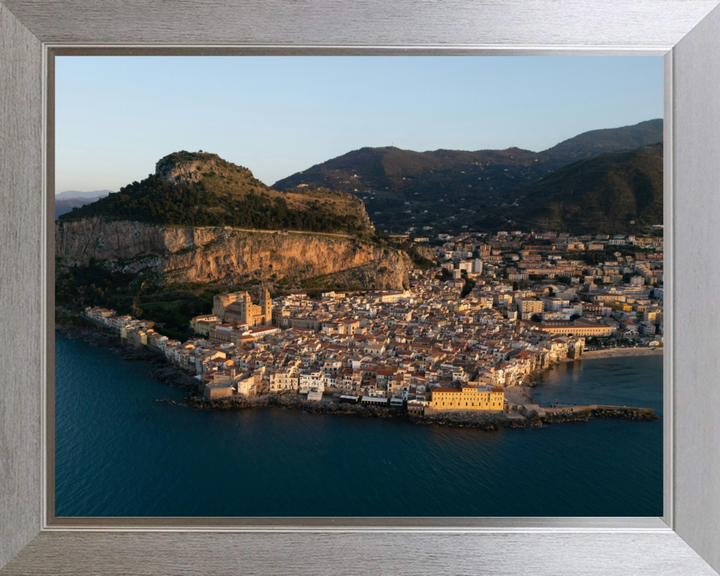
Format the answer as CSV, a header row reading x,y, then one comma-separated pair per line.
x,y
338,288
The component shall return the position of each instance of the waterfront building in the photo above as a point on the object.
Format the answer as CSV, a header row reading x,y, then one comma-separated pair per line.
x,y
98,314
284,380
217,391
137,337
470,397
311,381
577,327
249,383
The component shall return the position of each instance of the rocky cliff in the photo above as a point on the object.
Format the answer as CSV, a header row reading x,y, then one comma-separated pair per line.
x,y
226,255
186,168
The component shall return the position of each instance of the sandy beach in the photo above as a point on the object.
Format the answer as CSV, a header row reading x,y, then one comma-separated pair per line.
x,y
522,394
518,394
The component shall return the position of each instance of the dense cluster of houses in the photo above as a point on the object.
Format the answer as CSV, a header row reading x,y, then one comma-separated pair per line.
x,y
402,346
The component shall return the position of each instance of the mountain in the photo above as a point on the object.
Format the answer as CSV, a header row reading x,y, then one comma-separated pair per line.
x,y
391,168
404,188
201,225
611,193
222,256
65,205
74,194
596,142
202,189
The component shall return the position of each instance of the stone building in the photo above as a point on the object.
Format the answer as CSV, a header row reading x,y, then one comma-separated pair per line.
x,y
468,398
238,308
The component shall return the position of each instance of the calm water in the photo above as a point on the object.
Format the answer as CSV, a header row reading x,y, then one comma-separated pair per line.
x,y
120,453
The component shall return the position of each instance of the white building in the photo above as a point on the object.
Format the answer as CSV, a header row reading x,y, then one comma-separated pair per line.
x,y
311,381
284,380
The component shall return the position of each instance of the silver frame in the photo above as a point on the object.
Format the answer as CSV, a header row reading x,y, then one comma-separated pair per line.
x,y
32,32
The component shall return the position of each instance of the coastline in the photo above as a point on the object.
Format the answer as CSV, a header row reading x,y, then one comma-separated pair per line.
x,y
161,369
619,353
532,379
172,375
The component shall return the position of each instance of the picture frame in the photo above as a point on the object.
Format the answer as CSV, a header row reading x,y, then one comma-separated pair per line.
x,y
684,541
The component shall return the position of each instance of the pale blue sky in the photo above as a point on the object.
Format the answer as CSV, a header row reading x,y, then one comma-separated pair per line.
x,y
117,116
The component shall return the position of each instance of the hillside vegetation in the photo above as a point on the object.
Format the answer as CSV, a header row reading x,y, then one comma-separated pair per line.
x,y
201,189
596,142
451,188
611,193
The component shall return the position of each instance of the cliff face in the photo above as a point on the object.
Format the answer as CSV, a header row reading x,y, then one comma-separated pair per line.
x,y
224,254
190,171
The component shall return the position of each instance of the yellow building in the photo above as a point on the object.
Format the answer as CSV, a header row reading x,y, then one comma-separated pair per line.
x,y
468,398
620,306
530,306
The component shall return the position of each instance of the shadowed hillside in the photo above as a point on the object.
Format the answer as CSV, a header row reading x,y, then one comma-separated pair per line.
x,y
612,193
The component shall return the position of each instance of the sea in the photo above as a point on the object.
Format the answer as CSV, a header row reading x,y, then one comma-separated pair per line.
x,y
122,452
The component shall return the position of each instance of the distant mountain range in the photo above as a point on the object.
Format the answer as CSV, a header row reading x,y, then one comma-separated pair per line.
x,y
452,188
606,180
76,194
612,193
66,201
596,142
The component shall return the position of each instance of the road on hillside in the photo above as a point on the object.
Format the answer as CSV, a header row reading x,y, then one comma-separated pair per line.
x,y
285,232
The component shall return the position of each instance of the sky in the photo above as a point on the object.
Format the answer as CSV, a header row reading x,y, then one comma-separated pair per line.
x,y
117,116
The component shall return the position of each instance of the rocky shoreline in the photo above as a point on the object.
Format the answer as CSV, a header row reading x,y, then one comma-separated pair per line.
x,y
608,413
483,421
98,337
174,376
161,369
291,402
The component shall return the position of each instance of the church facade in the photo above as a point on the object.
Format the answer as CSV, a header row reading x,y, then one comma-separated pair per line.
x,y
238,308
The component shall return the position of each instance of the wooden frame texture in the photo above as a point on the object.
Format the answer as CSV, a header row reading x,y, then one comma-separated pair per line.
x,y
685,541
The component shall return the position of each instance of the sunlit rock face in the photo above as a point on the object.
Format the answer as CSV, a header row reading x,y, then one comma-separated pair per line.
x,y
222,254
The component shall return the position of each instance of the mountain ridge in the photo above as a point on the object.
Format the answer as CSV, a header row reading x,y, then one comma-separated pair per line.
x,y
615,192
202,189
404,188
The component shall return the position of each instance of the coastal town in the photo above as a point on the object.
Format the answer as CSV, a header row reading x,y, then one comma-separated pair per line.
x,y
470,333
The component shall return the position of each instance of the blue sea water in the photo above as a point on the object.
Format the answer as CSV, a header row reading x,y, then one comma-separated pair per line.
x,y
121,453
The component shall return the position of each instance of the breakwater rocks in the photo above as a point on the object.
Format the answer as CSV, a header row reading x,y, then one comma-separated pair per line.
x,y
585,413
625,413
479,420
482,421
173,376
490,421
